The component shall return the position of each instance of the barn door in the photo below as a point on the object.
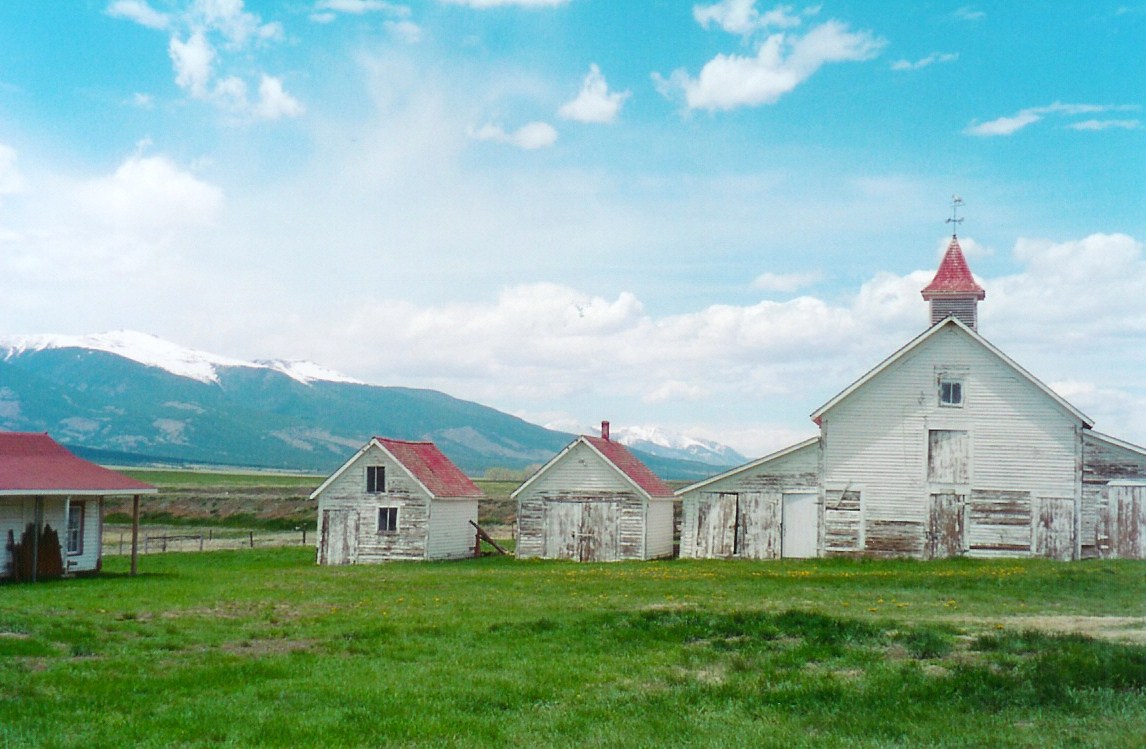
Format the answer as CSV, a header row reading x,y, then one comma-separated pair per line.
x,y
562,528
599,538
1054,528
1127,521
758,526
339,542
801,525
945,526
716,525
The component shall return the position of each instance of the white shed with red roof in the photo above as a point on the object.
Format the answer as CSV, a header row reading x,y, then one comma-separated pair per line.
x,y
396,499
51,507
594,502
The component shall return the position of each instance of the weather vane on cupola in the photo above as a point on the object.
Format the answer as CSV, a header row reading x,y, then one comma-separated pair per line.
x,y
956,201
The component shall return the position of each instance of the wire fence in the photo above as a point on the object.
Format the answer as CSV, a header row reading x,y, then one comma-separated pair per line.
x,y
160,539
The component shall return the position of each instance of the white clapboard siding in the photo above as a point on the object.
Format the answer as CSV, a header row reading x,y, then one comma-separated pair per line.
x,y
89,559
658,529
451,535
1106,460
878,438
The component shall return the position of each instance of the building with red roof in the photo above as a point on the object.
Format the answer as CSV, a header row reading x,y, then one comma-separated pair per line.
x,y
594,502
395,500
51,507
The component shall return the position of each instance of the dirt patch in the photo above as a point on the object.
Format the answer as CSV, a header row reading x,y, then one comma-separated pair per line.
x,y
1120,628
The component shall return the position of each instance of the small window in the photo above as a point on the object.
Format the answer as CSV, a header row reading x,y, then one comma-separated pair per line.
x,y
387,519
375,479
75,528
951,393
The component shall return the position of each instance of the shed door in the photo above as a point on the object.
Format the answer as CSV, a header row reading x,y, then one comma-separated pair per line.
x,y
716,525
339,543
1054,528
582,531
945,526
561,525
801,526
758,532
1127,513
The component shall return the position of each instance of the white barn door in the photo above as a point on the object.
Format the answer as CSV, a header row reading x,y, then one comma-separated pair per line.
x,y
339,542
800,526
716,525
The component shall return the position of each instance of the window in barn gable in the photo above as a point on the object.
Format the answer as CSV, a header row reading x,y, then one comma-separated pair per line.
x,y
387,519
375,479
75,528
950,392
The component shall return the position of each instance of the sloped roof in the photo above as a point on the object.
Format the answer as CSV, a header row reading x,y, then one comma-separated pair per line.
x,y
954,276
785,452
630,465
890,361
431,467
32,463
618,456
425,463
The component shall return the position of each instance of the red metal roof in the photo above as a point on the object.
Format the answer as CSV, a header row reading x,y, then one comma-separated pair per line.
x,y
631,466
36,463
436,472
953,276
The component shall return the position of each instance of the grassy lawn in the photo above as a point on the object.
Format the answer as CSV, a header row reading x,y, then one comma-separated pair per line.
x,y
263,648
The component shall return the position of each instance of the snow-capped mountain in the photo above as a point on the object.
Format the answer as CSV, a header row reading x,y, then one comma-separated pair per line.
x,y
652,440
152,351
133,398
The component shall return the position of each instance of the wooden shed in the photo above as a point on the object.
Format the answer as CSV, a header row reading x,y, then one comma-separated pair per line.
x,y
766,509
51,507
396,500
594,502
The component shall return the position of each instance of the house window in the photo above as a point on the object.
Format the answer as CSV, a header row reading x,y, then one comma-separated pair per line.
x,y
951,392
375,479
75,528
387,519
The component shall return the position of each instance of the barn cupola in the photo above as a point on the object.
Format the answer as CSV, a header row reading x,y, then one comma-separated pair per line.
x,y
953,291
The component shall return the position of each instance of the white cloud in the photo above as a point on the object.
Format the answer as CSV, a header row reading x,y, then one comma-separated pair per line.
x,y
193,60
235,24
274,102
528,137
785,282
967,13
741,16
406,31
11,181
781,63
931,59
358,7
594,103
1106,125
148,194
139,12
1014,123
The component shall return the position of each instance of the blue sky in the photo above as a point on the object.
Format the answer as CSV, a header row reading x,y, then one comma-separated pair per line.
x,y
709,217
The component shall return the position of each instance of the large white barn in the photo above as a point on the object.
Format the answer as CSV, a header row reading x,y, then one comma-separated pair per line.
x,y
396,500
947,447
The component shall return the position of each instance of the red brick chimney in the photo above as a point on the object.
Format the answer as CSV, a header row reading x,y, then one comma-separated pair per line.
x,y
605,430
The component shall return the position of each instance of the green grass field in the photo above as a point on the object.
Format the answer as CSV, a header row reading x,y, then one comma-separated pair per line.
x,y
263,648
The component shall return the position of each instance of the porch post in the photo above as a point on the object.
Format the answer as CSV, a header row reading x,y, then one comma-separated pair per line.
x,y
135,534
38,525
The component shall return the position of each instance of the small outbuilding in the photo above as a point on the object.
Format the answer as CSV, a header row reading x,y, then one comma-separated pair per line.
x,y
594,502
51,507
396,500
766,509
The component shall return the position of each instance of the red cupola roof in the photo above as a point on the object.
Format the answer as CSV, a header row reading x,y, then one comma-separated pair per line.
x,y
954,276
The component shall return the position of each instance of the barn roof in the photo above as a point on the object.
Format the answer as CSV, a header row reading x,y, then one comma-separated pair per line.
x,y
34,463
431,467
425,463
954,276
890,361
630,465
